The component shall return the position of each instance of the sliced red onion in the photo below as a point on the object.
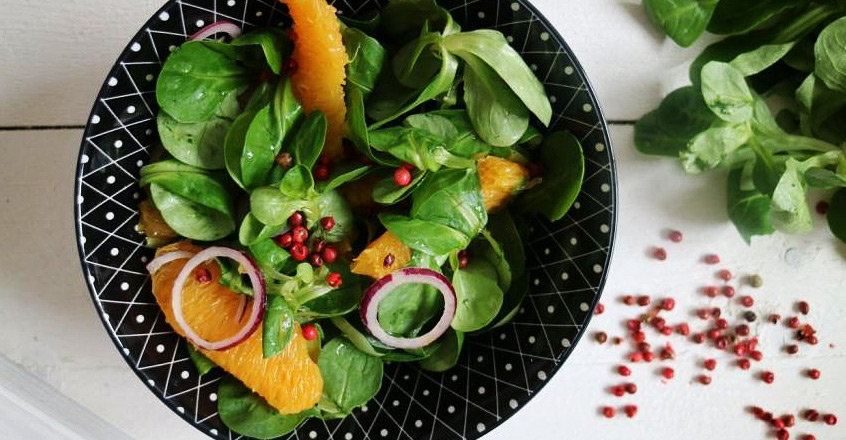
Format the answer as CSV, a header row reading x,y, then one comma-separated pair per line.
x,y
223,26
377,292
259,297
161,260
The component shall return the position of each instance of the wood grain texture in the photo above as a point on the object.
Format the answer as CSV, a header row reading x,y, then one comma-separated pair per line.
x,y
56,54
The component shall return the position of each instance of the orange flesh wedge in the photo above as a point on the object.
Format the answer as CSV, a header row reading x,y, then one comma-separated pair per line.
x,y
289,381
500,180
321,61
152,224
371,261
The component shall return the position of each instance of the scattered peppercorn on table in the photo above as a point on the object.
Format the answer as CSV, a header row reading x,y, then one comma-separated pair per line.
x,y
677,264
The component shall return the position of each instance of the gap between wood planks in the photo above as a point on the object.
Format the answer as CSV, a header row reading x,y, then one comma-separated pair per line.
x,y
81,127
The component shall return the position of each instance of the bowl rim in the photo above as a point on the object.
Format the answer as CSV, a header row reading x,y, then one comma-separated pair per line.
x,y
560,361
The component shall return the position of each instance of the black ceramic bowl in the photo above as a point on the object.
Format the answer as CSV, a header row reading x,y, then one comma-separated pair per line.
x,y
498,372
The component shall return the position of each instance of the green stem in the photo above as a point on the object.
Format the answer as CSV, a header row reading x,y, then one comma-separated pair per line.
x,y
797,143
807,22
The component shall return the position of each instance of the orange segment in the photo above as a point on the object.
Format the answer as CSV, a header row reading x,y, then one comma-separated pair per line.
x,y
152,224
500,180
359,193
371,261
321,65
290,381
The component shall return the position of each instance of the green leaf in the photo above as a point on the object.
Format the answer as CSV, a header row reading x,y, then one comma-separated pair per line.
x,y
271,126
309,138
794,30
274,42
497,114
271,207
189,218
405,310
713,146
824,178
749,210
424,236
247,414
489,249
391,100
345,172
332,204
765,173
452,198
358,339
198,77
683,20
232,278
739,16
491,48
199,144
199,187
297,183
755,61
367,58
339,302
415,64
789,206
200,361
667,130
192,202
417,147
350,377
478,295
512,300
277,328
726,92
269,255
252,230
821,110
831,62
455,128
837,215
261,146
234,145
562,154
446,356
387,192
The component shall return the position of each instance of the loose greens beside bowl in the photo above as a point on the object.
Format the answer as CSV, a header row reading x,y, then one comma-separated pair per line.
x,y
767,104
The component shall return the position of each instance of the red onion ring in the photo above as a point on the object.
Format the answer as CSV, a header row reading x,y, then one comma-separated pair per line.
x,y
223,26
378,290
259,297
161,260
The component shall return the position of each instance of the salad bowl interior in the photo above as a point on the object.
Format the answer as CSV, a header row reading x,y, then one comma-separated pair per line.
x,y
498,372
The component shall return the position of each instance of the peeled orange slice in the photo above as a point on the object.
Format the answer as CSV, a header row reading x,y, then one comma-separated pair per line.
x,y
289,382
321,61
500,179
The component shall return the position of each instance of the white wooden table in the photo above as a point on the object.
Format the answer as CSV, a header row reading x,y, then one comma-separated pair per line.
x,y
52,61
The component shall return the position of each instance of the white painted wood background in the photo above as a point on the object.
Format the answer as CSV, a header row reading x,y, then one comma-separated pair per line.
x,y
53,58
